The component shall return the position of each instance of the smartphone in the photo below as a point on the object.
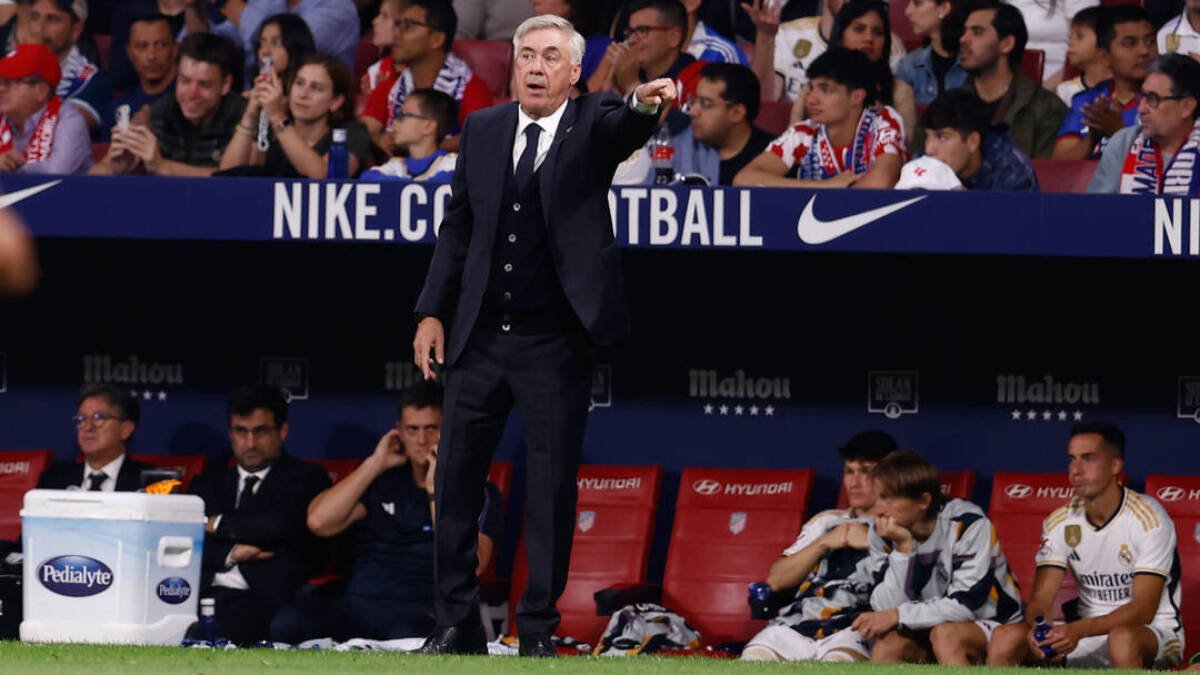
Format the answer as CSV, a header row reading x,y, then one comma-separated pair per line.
x,y
123,117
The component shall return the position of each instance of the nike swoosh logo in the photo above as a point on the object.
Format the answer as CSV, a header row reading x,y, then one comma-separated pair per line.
x,y
813,230
21,195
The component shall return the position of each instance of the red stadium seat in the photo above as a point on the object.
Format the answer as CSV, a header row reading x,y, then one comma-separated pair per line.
x,y
103,47
99,150
1033,62
366,55
491,60
19,472
955,485
190,466
337,468
747,49
614,528
730,525
773,116
1020,502
1180,496
1064,175
901,28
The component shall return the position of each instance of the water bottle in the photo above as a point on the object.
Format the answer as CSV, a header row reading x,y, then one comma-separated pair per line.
x,y
1040,630
339,156
662,157
208,620
760,594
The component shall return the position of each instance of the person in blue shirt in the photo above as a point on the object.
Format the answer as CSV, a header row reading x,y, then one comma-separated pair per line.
x,y
152,51
423,121
933,68
1128,43
958,131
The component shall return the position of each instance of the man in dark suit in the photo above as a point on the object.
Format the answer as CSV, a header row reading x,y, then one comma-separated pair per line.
x,y
524,279
105,420
257,548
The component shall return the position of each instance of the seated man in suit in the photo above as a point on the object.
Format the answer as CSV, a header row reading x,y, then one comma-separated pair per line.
x,y
387,503
105,420
257,550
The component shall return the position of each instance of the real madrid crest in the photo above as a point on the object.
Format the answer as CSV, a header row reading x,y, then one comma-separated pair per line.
x,y
803,47
1173,41
1125,556
1072,534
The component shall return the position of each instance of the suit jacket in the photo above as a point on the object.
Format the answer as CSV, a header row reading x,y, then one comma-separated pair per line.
x,y
63,475
596,133
275,519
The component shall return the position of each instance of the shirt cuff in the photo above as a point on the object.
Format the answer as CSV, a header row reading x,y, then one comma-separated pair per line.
x,y
642,108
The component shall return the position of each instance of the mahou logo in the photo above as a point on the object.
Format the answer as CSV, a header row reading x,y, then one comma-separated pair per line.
x,y
1045,399
149,380
76,576
738,394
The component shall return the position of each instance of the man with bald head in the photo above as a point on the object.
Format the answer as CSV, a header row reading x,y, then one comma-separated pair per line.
x,y
524,280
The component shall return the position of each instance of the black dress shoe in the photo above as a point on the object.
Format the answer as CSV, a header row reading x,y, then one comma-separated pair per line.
x,y
537,646
455,640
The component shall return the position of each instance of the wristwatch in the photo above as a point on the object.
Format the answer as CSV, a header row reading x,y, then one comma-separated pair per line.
x,y
279,126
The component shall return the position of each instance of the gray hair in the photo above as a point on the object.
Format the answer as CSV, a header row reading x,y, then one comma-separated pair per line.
x,y
544,21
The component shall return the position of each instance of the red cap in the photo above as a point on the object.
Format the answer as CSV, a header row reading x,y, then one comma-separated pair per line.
x,y
31,61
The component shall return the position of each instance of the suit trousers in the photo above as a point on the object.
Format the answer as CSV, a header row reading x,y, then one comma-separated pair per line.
x,y
547,378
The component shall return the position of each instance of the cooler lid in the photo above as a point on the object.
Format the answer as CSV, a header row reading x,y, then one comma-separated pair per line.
x,y
113,506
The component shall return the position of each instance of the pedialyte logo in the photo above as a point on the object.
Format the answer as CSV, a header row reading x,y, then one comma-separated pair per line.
x,y
174,590
76,576
893,393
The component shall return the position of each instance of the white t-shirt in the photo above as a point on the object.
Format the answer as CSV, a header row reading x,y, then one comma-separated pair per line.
x,y
1049,23
1067,90
1178,37
799,43
1139,539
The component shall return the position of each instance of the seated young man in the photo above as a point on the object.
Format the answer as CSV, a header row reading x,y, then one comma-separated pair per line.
x,y
1126,42
958,131
829,547
424,120
387,503
1161,154
847,141
1121,548
938,582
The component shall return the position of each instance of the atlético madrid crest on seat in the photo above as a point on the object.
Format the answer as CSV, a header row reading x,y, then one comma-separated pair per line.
x,y
737,522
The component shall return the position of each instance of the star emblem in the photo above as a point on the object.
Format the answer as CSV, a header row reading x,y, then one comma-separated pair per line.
x,y
1062,415
708,408
724,410
133,393
1031,415
1078,415
753,411
738,410
147,395
1016,414
1046,415
162,395
770,410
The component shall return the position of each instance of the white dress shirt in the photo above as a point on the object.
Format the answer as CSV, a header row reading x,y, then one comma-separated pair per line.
x,y
549,125
110,471
232,577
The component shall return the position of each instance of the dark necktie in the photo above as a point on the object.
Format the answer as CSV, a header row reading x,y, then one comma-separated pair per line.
x,y
96,481
247,490
524,172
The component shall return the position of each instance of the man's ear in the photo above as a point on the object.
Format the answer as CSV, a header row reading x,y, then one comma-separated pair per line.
x,y
973,140
226,84
858,96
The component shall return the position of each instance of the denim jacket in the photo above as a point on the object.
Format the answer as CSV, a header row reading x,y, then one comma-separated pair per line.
x,y
916,68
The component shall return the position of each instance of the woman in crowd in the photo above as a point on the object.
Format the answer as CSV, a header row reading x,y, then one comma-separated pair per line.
x,y
286,39
933,68
383,36
863,25
301,124
1049,25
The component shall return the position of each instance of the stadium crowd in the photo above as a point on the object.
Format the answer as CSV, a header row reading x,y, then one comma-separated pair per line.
x,y
951,94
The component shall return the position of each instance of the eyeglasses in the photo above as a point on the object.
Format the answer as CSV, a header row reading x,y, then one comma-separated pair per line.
x,y
706,103
96,418
256,432
1153,100
406,24
643,32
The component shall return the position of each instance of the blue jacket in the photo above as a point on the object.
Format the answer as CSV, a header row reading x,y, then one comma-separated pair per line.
x,y
916,68
1004,167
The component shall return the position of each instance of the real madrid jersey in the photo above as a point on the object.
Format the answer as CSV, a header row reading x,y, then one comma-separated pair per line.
x,y
819,610
1138,539
957,574
1178,37
799,43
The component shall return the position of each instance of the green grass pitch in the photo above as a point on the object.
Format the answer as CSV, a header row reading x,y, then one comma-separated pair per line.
x,y
16,657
